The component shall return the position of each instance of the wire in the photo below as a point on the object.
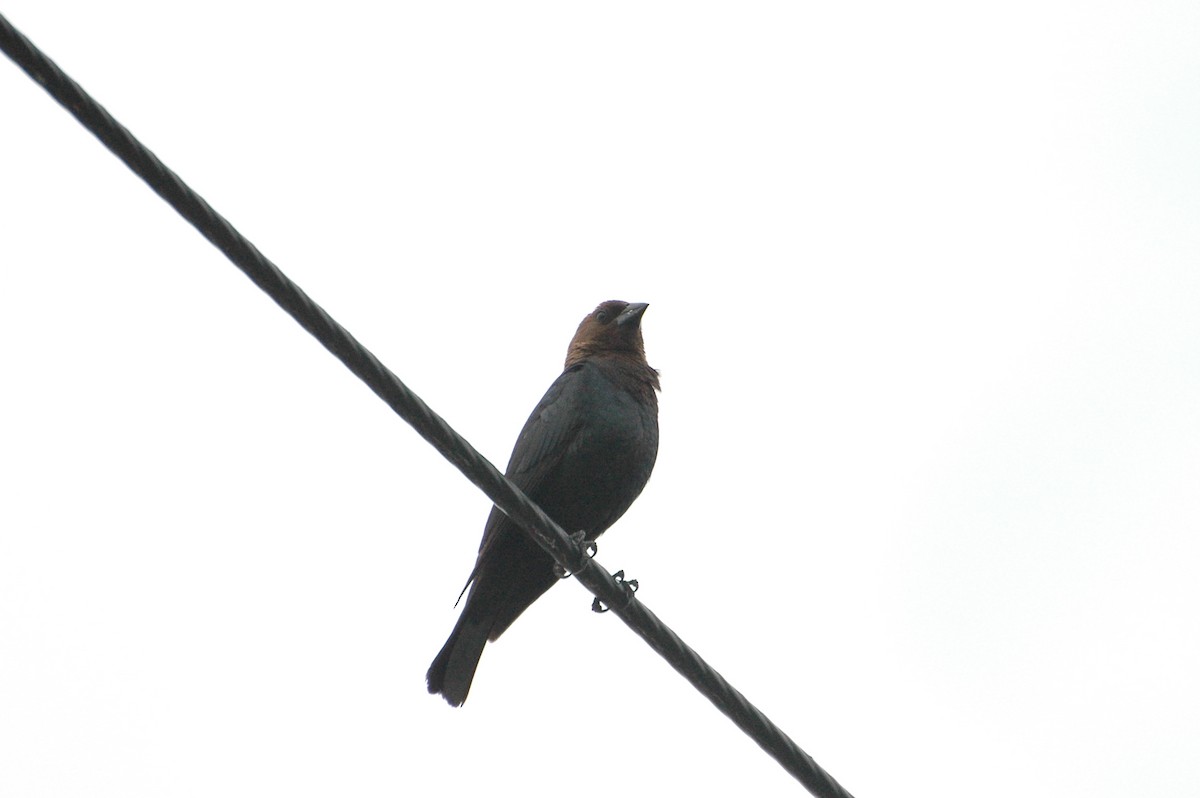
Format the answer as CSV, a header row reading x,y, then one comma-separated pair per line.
x,y
567,551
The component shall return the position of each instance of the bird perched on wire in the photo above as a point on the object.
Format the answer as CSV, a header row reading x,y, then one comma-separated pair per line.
x,y
583,456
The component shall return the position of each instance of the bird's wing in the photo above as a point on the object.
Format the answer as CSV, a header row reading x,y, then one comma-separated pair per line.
x,y
551,432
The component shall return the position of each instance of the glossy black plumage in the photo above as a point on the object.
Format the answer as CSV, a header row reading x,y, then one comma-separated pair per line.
x,y
584,455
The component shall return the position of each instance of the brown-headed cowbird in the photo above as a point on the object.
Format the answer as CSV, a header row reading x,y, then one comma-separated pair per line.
x,y
584,456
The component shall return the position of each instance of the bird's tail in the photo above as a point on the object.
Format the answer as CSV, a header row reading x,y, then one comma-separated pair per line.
x,y
453,668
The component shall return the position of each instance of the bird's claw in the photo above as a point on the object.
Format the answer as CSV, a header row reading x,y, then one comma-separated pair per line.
x,y
587,550
630,586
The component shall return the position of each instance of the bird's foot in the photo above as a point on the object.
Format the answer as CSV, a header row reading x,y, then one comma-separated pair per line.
x,y
629,585
587,550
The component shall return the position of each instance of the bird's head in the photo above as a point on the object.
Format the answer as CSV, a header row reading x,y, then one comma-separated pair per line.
x,y
614,327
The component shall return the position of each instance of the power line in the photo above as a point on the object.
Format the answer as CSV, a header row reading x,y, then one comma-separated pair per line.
x,y
566,550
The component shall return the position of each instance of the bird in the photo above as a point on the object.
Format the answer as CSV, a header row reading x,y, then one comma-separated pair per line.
x,y
583,456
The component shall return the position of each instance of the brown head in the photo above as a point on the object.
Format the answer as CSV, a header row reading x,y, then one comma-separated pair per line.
x,y
613,328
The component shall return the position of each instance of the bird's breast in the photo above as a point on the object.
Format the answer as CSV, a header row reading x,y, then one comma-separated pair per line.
x,y
608,462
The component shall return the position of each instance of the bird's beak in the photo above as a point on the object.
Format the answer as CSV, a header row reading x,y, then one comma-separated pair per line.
x,y
632,313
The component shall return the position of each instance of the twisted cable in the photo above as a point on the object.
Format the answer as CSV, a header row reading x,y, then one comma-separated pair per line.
x,y
267,276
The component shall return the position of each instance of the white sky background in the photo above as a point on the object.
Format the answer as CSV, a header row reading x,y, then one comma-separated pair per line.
x,y
925,297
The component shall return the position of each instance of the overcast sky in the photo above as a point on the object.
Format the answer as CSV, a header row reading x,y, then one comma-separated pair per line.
x,y
924,286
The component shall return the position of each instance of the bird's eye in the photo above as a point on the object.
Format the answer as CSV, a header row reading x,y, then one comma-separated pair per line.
x,y
602,316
